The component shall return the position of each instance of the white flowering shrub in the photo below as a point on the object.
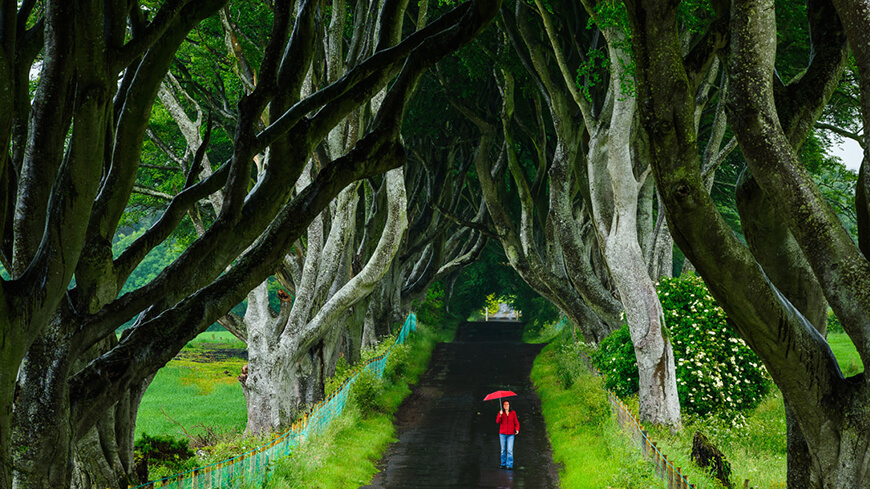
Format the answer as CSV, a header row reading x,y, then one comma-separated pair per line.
x,y
717,374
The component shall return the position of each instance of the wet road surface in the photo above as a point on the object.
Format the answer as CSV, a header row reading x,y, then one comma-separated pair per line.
x,y
447,436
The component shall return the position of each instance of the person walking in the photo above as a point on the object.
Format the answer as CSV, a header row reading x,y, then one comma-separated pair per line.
x,y
508,428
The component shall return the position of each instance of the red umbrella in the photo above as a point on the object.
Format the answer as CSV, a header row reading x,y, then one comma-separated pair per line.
x,y
499,395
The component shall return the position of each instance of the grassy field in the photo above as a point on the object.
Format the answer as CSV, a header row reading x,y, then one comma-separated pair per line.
x,y
197,388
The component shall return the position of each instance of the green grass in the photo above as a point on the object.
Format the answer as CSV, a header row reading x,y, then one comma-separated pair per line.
x,y
847,355
587,442
197,387
346,454
756,450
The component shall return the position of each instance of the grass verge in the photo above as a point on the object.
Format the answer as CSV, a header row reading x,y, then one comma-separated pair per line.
x,y
346,454
588,444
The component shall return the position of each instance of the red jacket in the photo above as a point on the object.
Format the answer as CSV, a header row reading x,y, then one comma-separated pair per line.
x,y
508,425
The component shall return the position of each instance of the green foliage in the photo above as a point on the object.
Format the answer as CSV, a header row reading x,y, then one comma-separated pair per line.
x,y
154,263
342,371
792,39
589,72
717,374
836,182
397,363
492,274
432,310
172,454
695,16
615,359
366,393
716,370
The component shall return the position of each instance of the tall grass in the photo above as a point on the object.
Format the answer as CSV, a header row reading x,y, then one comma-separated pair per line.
x,y
587,442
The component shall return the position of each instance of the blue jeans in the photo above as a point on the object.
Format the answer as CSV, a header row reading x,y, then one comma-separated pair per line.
x,y
507,449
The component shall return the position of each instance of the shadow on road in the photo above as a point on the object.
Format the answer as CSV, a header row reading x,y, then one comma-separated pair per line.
x,y
447,436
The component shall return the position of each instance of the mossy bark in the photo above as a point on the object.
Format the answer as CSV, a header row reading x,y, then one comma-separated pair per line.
x,y
769,127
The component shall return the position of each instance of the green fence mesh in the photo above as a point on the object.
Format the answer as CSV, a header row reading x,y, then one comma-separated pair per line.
x,y
250,468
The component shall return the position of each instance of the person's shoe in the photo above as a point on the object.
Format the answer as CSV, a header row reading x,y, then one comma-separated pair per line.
x,y
502,466
510,468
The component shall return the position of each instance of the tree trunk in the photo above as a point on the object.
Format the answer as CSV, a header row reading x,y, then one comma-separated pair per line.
x,y
272,387
783,261
862,206
277,389
42,435
103,457
290,355
799,474
10,358
830,410
616,222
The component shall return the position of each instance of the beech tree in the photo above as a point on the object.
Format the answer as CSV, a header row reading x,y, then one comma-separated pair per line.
x,y
616,171
775,287
68,160
583,234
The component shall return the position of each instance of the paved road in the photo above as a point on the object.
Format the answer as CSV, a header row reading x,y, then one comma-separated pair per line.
x,y
447,436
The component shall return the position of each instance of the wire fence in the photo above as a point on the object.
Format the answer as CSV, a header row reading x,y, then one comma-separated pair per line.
x,y
665,470
250,468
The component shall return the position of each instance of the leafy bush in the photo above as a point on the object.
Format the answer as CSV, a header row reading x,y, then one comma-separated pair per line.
x,y
431,311
171,454
615,359
397,363
342,369
366,393
716,372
